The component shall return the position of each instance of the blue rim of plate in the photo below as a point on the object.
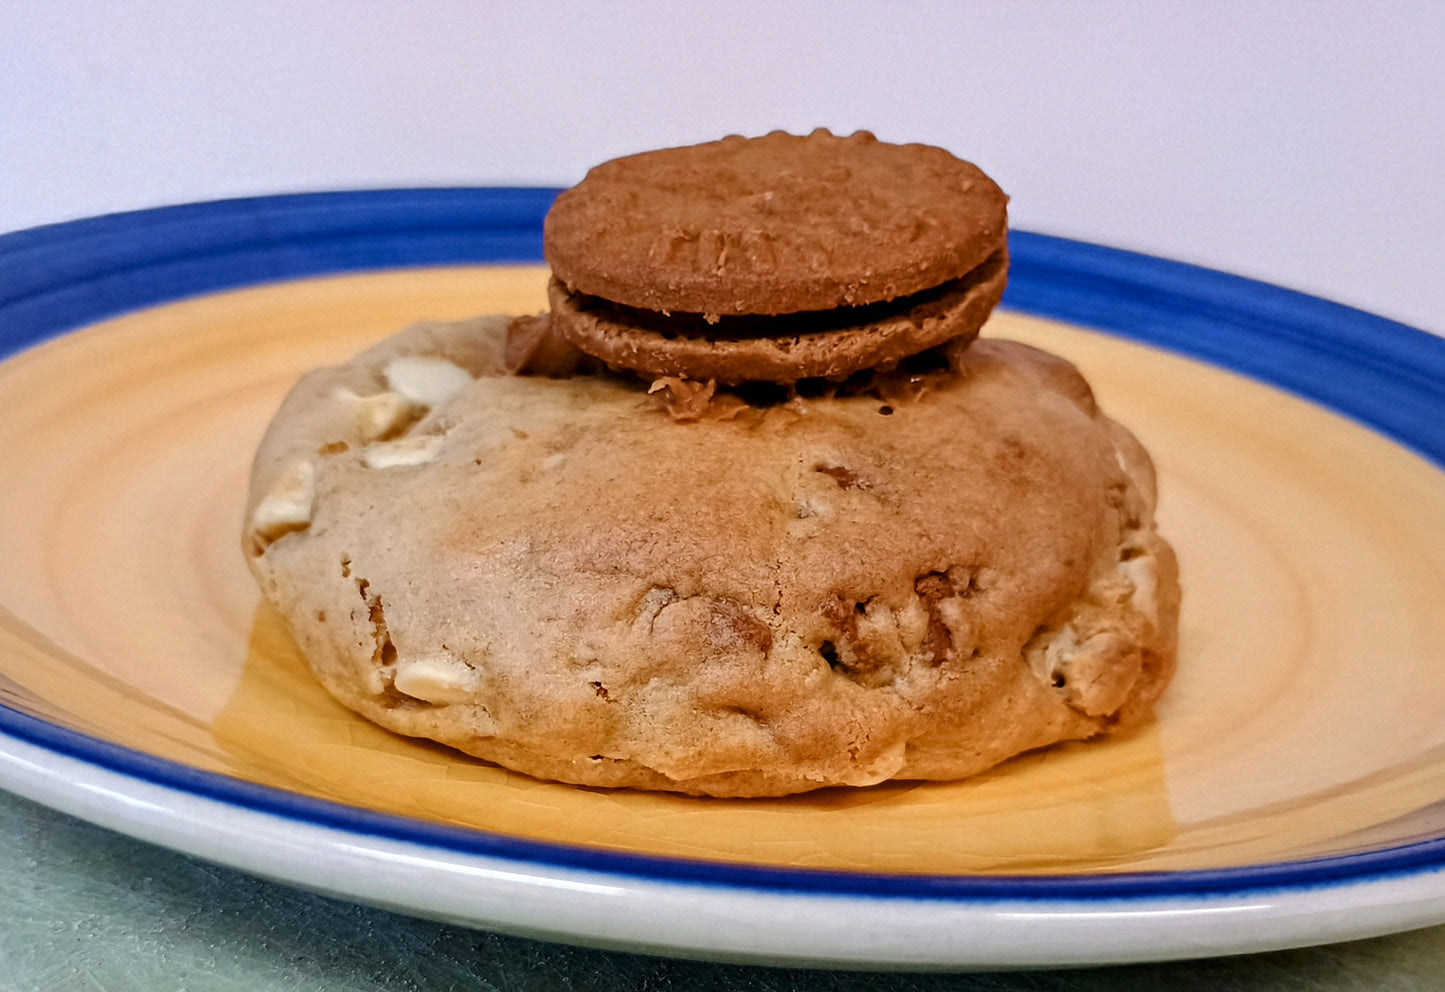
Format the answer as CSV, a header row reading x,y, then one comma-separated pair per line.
x,y
1383,374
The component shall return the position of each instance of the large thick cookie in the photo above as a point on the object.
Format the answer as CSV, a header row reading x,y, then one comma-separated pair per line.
x,y
555,575
773,225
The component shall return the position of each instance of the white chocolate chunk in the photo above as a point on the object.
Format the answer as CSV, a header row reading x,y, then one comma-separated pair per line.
x,y
424,380
805,506
287,506
436,678
376,415
1143,573
403,452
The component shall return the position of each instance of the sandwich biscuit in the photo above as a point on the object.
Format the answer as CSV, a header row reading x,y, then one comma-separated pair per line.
x,y
776,258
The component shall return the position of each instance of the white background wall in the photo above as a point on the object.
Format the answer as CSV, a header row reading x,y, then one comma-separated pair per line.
x,y
1300,142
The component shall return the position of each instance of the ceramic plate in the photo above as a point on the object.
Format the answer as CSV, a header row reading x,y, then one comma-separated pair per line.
x,y
1292,789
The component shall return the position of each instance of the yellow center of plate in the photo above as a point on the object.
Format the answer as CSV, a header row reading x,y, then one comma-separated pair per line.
x,y
1305,719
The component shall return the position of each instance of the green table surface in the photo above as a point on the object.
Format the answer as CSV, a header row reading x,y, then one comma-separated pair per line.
x,y
82,908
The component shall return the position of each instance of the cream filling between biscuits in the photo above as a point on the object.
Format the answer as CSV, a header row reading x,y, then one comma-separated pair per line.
x,y
917,308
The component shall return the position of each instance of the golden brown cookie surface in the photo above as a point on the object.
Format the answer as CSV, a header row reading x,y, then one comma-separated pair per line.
x,y
556,575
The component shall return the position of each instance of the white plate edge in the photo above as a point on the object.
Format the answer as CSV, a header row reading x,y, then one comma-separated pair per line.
x,y
708,919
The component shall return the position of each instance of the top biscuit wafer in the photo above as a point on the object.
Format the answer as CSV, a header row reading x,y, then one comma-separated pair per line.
x,y
774,225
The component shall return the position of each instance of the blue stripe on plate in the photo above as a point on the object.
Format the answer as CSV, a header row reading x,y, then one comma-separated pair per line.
x,y
1386,375
56,278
